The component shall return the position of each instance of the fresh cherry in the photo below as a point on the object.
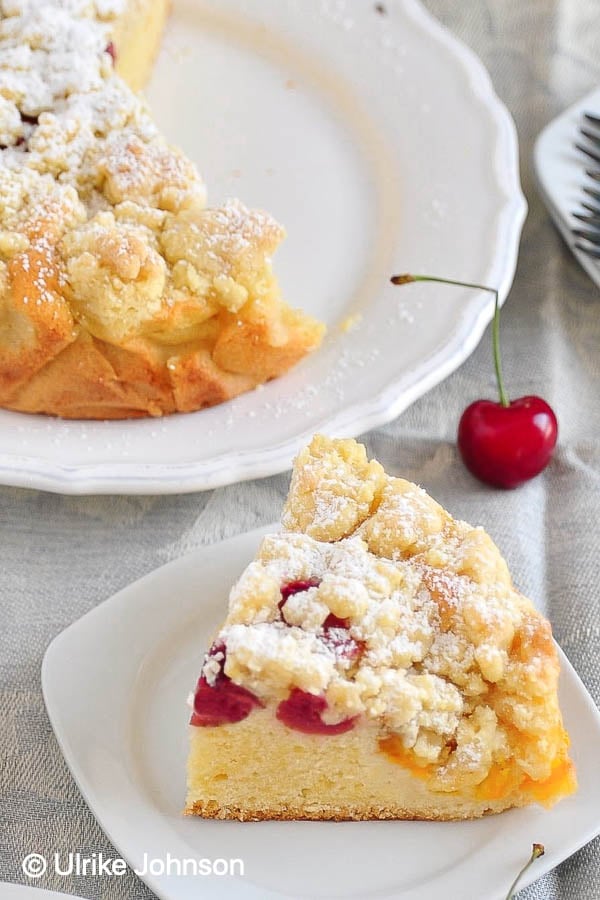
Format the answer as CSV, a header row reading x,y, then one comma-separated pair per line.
x,y
302,711
504,443
507,445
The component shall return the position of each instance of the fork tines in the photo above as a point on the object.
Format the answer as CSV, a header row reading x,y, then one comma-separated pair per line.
x,y
588,206
592,219
588,234
593,137
590,250
588,237
593,154
590,117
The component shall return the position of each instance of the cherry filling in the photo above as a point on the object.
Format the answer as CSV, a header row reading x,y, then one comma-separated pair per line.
x,y
337,638
223,702
342,643
335,622
29,120
112,51
295,587
335,630
303,711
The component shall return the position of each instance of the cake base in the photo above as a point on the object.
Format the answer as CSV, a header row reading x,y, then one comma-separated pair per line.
x,y
92,379
337,778
137,39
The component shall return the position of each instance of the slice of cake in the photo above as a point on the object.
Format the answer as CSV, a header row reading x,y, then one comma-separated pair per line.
x,y
121,295
376,663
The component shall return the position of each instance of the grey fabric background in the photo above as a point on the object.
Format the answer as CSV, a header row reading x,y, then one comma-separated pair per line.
x,y
60,556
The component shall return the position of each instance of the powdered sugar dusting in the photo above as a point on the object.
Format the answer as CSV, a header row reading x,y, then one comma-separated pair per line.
x,y
428,636
121,212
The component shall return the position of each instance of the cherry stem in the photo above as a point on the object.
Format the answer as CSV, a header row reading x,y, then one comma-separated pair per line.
x,y
408,279
537,850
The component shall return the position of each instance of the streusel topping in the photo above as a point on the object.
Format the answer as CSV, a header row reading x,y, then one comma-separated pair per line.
x,y
398,613
120,210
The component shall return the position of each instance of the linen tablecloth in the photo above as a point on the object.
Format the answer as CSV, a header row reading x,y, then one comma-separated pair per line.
x,y
60,556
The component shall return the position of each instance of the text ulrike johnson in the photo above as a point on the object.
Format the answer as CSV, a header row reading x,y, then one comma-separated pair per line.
x,y
94,864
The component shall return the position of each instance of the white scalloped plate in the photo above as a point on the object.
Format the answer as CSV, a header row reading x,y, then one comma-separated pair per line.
x,y
115,685
378,140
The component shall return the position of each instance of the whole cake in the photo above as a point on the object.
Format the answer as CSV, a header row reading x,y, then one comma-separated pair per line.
x,y
122,295
376,663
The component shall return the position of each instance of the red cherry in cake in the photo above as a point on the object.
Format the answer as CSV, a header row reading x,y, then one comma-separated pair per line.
x,y
112,52
508,442
335,622
223,702
335,630
342,644
21,140
337,638
303,711
216,648
295,587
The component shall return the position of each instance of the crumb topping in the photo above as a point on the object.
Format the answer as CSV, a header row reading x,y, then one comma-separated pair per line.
x,y
121,211
456,665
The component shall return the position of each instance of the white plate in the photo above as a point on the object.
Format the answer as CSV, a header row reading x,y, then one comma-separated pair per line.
x,y
560,170
115,685
379,142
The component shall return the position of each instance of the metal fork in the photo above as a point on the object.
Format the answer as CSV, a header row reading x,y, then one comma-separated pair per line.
x,y
588,237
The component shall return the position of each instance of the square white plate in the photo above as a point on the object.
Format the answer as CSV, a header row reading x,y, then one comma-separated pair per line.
x,y
115,685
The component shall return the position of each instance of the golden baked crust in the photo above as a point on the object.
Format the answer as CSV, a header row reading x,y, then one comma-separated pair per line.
x,y
211,810
436,679
120,294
